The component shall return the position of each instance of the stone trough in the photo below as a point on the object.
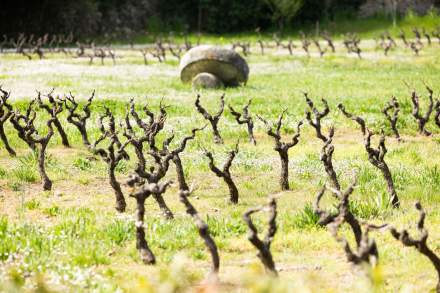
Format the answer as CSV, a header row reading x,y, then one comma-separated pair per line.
x,y
213,67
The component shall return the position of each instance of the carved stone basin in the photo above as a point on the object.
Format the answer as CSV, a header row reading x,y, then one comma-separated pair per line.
x,y
224,67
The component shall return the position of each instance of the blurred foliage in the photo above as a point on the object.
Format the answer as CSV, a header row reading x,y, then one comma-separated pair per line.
x,y
123,18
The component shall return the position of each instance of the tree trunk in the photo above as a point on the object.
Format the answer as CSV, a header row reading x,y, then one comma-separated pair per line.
x,y
6,142
168,214
120,199
180,174
217,137
84,136
233,191
251,134
390,186
332,175
145,253
284,179
355,227
64,139
47,183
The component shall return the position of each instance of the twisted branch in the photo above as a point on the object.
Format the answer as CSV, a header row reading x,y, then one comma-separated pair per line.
x,y
422,120
376,156
282,147
140,192
5,113
225,173
245,118
393,104
48,108
213,119
315,122
263,246
112,155
421,243
203,230
79,120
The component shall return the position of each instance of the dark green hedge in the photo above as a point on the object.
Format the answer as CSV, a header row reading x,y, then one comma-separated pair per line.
x,y
89,18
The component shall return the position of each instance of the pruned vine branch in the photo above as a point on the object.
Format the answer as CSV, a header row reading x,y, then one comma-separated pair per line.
x,y
419,244
112,154
263,246
245,118
140,192
176,155
326,218
6,111
376,156
49,108
315,121
30,135
422,119
393,105
203,230
213,119
225,173
77,119
282,147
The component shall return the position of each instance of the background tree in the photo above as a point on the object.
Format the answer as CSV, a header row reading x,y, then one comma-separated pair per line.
x,y
283,10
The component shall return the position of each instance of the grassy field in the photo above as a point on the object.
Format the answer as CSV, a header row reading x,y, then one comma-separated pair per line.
x,y
72,239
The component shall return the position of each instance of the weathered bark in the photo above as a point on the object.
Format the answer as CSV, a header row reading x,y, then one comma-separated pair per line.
x,y
56,122
422,120
120,199
203,230
47,183
161,157
351,42
437,113
284,175
305,43
393,104
30,135
63,135
112,154
421,243
145,252
213,119
245,118
141,191
320,49
377,159
376,156
233,191
263,246
5,141
282,147
180,173
315,121
403,38
5,114
23,124
144,54
78,120
167,213
326,158
366,249
225,173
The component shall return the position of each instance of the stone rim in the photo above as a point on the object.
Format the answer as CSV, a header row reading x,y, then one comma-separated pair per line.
x,y
231,70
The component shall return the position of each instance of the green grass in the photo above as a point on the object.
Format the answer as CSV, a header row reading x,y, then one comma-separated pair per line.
x,y
71,239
